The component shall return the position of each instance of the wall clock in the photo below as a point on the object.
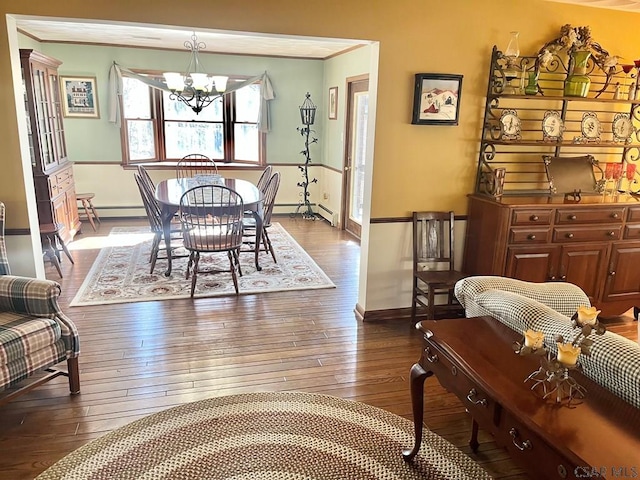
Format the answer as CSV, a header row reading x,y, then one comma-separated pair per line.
x,y
552,126
510,125
622,128
591,128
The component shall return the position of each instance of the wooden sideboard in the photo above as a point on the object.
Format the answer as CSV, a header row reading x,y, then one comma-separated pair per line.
x,y
594,244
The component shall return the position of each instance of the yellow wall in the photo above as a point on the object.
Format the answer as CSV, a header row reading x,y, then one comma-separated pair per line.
x,y
415,167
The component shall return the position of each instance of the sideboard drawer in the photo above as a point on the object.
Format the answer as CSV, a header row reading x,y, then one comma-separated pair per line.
x,y
634,215
530,450
531,217
529,235
593,215
632,232
586,234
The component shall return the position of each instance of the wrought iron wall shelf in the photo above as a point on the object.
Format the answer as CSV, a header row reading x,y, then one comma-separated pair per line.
x,y
515,135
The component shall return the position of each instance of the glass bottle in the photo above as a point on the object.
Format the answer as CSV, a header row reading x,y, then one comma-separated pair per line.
x,y
511,54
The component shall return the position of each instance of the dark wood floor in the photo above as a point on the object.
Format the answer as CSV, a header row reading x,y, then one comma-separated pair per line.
x,y
139,358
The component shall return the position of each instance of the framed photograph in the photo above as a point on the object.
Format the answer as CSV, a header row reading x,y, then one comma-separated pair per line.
x,y
436,99
79,97
333,103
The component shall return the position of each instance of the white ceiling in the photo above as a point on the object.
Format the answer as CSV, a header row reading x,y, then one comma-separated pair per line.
x,y
170,37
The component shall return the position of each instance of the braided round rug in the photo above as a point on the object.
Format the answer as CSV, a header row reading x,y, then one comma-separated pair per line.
x,y
274,436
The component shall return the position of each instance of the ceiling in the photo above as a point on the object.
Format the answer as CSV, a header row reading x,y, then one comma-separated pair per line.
x,y
49,30
173,38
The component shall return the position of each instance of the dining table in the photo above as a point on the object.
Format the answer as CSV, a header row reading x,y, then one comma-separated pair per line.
x,y
168,194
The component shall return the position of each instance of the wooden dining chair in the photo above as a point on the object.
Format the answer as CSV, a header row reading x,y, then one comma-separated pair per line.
x,y
434,270
152,209
195,164
211,218
270,192
264,178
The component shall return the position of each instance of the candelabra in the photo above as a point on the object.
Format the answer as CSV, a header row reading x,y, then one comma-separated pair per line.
x,y
307,115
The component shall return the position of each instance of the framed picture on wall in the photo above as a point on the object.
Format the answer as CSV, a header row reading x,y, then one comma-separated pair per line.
x,y
79,97
436,99
333,103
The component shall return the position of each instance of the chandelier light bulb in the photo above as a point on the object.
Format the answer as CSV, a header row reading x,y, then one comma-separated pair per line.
x,y
220,82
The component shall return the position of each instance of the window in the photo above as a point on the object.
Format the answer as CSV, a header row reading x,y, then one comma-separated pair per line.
x,y
158,129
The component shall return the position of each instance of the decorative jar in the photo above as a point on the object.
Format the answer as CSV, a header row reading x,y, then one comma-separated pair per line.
x,y
578,82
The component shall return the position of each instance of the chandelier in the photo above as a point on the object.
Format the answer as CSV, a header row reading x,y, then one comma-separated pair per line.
x,y
195,89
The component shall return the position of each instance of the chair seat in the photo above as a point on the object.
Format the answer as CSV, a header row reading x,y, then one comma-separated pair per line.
x,y
210,238
441,279
22,334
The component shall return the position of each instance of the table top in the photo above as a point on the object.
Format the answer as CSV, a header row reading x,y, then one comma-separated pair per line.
x,y
168,192
602,430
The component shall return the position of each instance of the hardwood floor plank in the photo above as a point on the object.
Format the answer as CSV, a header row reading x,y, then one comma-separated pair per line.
x,y
141,358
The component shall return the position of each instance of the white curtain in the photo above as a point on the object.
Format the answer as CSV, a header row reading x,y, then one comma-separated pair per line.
x,y
115,91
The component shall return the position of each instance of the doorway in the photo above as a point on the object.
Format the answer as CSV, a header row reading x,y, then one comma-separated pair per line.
x,y
355,153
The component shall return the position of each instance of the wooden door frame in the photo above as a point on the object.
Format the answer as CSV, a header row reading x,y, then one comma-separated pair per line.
x,y
347,144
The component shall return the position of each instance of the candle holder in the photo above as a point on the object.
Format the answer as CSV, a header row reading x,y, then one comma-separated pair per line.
x,y
552,380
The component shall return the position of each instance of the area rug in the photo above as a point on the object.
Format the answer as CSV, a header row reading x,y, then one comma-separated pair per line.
x,y
260,436
120,273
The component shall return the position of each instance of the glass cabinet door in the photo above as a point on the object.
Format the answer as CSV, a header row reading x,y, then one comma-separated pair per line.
x,y
41,105
56,118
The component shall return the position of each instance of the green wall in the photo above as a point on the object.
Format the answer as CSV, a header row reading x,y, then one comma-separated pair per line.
x,y
99,140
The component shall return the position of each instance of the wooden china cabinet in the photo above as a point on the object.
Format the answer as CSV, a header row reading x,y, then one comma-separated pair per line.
x,y
527,229
52,171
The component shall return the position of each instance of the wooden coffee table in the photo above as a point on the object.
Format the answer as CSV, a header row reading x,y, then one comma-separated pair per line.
x,y
474,358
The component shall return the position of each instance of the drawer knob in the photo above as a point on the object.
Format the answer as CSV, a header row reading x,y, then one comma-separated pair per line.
x,y
431,358
611,234
562,471
531,237
472,398
569,235
614,215
534,218
563,278
613,274
522,446
572,217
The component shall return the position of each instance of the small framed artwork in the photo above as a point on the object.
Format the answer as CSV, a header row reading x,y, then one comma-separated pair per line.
x,y
436,99
333,103
79,97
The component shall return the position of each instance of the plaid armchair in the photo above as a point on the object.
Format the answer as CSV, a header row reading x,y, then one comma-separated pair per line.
x,y
34,333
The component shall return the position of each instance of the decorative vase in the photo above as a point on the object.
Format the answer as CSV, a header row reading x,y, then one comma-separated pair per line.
x,y
577,82
532,85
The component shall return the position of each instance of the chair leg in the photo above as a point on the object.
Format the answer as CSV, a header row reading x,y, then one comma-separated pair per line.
x,y
413,298
50,253
431,309
64,248
233,271
94,211
74,375
195,273
267,244
85,205
190,264
236,258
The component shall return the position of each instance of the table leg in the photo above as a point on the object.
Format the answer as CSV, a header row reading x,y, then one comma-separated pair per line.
x,y
167,215
418,376
259,225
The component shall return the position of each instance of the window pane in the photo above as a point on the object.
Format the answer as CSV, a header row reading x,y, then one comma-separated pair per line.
x,y
184,138
248,103
246,142
135,98
141,141
176,110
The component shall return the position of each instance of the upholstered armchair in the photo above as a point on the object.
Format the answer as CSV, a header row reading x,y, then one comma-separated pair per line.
x,y
35,334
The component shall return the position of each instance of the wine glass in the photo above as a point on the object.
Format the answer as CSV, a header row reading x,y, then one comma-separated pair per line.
x,y
617,176
608,175
626,69
630,173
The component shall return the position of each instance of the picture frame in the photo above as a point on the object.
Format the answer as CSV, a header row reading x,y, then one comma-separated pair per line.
x,y
333,103
79,97
436,99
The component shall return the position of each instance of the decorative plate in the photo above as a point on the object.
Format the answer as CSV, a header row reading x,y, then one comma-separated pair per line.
x,y
591,128
552,126
510,125
622,128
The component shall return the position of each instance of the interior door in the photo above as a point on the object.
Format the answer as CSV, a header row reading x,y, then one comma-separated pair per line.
x,y
355,153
